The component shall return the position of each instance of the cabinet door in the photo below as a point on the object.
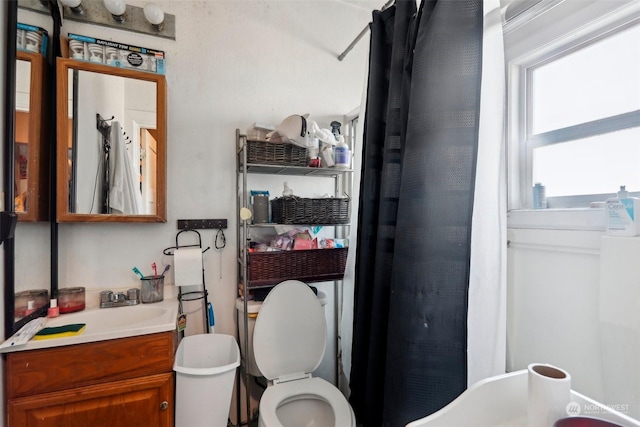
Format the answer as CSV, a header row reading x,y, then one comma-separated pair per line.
x,y
144,401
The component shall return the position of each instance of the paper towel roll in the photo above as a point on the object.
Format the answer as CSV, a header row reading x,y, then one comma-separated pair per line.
x,y
549,394
187,266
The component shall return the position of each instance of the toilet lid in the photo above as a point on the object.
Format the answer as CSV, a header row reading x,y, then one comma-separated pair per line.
x,y
290,333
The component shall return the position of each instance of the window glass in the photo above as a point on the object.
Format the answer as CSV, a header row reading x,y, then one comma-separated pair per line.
x,y
595,165
597,81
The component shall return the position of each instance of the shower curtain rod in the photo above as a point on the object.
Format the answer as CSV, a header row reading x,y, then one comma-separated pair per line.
x,y
359,36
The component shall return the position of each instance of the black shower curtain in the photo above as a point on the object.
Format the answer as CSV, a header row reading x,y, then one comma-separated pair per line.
x,y
416,203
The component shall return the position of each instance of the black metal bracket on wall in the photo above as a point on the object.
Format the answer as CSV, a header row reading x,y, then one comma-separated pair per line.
x,y
201,224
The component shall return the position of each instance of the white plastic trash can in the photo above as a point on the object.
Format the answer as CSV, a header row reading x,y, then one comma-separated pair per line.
x,y
205,368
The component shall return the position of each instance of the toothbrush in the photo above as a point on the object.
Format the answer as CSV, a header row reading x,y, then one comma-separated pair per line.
x,y
135,270
155,269
212,321
166,268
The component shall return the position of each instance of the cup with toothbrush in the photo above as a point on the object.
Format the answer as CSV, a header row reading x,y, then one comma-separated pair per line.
x,y
152,287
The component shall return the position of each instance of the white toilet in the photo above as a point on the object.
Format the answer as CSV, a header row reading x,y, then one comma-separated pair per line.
x,y
289,341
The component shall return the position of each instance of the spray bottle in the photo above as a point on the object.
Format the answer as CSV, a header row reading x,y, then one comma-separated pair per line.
x,y
335,129
341,154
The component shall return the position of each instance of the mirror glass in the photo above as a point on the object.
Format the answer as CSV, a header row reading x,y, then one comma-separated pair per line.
x,y
23,81
111,144
30,157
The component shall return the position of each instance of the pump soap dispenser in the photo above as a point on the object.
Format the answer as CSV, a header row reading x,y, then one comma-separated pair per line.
x,y
622,214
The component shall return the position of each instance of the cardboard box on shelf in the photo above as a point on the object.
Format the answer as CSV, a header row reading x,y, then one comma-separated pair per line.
x,y
114,53
31,38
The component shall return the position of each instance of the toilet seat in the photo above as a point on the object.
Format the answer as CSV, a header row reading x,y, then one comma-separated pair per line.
x,y
275,395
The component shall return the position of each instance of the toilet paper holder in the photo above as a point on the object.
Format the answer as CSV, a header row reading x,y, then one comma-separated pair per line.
x,y
192,295
170,251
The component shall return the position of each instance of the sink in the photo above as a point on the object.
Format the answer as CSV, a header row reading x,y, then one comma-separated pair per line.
x,y
111,319
110,323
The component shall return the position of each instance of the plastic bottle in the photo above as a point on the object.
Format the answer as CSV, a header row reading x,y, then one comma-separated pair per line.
x,y
326,155
341,154
30,307
335,129
623,193
622,214
539,196
54,310
313,151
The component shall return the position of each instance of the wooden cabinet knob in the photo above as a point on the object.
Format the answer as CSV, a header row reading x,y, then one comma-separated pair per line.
x,y
164,405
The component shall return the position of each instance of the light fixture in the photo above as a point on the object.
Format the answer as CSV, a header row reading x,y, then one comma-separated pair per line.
x,y
40,6
117,9
154,14
150,20
74,5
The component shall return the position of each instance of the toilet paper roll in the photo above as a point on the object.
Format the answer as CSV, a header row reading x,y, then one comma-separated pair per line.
x,y
188,266
549,393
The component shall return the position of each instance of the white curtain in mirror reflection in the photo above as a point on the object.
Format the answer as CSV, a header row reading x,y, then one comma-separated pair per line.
x,y
124,196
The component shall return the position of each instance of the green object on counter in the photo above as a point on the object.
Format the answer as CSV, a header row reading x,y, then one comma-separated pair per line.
x,y
60,331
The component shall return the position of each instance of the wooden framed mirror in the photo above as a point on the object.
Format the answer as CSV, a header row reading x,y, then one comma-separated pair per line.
x,y
31,165
111,144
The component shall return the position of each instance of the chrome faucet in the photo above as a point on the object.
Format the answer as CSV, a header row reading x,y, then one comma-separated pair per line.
x,y
119,299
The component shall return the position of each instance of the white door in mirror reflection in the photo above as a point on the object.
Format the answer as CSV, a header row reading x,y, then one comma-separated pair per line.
x,y
148,167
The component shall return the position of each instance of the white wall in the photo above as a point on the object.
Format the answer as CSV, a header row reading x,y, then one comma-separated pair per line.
x,y
619,320
553,278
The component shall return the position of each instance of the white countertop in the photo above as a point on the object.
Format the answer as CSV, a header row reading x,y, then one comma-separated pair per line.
x,y
110,323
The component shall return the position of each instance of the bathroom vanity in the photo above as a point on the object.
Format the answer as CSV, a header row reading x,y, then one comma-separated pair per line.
x,y
116,375
128,381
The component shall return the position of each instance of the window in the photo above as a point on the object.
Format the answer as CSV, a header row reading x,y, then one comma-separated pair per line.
x,y
578,125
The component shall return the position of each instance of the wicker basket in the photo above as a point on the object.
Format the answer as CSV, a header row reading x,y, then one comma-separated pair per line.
x,y
267,153
313,265
298,210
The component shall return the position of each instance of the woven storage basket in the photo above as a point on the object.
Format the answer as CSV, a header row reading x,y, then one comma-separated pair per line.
x,y
298,210
267,153
313,265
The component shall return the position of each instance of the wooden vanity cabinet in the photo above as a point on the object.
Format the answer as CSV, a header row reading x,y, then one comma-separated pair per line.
x,y
123,382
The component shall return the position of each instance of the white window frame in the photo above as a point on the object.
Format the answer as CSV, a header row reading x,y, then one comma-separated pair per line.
x,y
520,142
